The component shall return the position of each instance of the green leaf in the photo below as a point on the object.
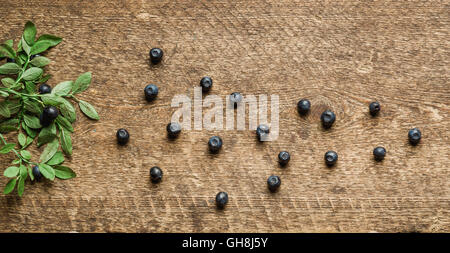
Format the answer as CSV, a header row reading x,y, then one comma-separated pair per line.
x,y
88,110
19,48
57,159
22,178
68,111
47,171
10,68
7,148
40,61
62,89
29,32
10,186
82,83
44,42
33,106
30,173
21,186
32,73
7,50
45,78
51,39
64,123
23,171
4,94
8,125
32,121
11,171
25,154
25,47
47,134
29,141
63,172
66,141
30,87
9,43
32,133
39,47
8,82
22,139
14,106
49,151
50,99
4,109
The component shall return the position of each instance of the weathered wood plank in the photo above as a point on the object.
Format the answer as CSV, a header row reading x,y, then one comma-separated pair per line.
x,y
339,54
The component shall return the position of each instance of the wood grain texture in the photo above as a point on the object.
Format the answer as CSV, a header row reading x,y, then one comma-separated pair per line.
x,y
339,54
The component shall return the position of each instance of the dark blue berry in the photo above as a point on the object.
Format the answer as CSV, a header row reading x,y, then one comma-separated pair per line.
x,y
10,60
331,158
414,136
156,174
150,92
45,88
33,56
122,136
36,173
374,108
206,83
328,117
379,153
273,182
221,199
284,157
48,115
262,132
156,55
235,99
173,130
215,144
303,106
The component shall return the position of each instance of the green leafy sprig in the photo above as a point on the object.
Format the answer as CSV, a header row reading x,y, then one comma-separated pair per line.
x,y
21,105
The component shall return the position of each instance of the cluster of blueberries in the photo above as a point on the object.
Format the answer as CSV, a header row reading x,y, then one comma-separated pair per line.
x,y
215,143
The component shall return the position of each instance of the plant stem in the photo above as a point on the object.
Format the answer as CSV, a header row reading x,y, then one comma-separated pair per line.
x,y
74,98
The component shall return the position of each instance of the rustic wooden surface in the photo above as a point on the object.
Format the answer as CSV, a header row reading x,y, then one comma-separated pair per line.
x,y
339,54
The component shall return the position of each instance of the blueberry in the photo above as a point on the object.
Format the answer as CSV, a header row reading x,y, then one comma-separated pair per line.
x,y
414,136
206,83
235,99
328,117
273,182
221,199
48,115
379,153
262,132
156,174
10,60
215,144
374,108
156,55
36,173
45,88
33,56
303,106
173,130
331,158
284,157
150,92
122,136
